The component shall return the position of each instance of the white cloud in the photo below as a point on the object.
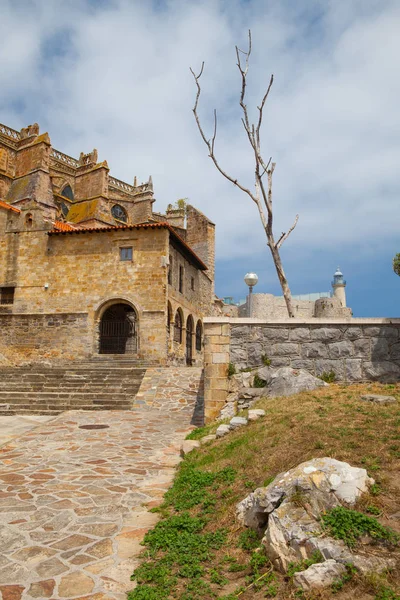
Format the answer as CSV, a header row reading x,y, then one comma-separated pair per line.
x,y
116,76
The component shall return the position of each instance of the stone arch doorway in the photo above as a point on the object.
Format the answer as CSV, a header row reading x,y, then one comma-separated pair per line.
x,y
118,330
189,340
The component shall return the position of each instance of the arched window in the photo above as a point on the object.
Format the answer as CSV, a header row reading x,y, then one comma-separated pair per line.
x,y
178,327
29,221
67,192
199,335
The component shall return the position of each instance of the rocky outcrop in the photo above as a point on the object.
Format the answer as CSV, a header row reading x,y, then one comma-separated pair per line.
x,y
283,381
289,511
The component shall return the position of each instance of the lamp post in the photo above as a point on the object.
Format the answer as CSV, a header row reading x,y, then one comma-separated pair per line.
x,y
251,280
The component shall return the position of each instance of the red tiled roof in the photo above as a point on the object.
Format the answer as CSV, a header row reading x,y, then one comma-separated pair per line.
x,y
61,226
9,207
184,246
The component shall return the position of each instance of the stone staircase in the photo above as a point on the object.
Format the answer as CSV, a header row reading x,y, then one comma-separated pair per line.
x,y
101,383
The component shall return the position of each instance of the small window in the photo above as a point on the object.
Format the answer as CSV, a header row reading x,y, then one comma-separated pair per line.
x,y
192,283
7,295
119,213
125,253
170,271
181,280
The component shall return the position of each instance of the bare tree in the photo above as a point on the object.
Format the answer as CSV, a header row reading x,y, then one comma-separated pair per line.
x,y
262,193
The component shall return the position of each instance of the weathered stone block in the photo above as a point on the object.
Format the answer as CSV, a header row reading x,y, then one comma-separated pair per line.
x,y
308,365
353,333
379,349
353,370
326,366
238,355
212,328
275,334
280,361
340,349
285,349
383,370
326,334
362,348
314,350
395,351
299,334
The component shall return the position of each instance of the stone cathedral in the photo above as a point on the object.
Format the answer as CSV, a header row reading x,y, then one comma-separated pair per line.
x,y
87,267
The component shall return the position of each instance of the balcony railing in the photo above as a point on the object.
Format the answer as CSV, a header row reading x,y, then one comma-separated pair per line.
x,y
64,158
11,133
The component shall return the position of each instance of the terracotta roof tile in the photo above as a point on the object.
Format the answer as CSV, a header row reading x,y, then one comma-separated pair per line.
x,y
157,225
61,226
9,207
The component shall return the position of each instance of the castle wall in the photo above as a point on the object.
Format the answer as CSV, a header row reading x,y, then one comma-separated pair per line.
x,y
355,350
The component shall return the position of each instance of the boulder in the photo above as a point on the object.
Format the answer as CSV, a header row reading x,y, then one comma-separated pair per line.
x,y
319,575
222,430
237,422
228,411
378,399
189,445
287,382
289,511
255,414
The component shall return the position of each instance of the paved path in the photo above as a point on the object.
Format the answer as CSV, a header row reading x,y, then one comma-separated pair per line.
x,y
15,425
72,501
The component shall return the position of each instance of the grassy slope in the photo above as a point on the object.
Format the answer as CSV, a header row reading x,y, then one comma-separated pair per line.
x,y
210,556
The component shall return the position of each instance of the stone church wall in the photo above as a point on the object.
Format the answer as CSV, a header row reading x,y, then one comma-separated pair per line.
x,y
355,350
27,338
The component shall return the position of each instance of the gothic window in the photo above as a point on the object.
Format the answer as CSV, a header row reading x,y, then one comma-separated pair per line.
x,y
178,327
64,209
119,213
199,335
7,295
67,192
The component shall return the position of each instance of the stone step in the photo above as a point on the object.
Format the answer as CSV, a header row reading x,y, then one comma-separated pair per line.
x,y
106,383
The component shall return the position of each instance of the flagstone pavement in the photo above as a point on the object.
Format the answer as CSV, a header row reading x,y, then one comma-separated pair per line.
x,y
74,501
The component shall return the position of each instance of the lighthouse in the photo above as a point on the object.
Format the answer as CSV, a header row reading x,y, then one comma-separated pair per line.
x,y
339,286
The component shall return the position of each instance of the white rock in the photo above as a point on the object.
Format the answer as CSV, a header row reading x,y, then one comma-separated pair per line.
x,y
255,414
287,381
293,533
319,575
237,422
188,445
222,430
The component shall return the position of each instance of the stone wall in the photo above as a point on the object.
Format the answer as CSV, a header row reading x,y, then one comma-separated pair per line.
x,y
42,337
355,350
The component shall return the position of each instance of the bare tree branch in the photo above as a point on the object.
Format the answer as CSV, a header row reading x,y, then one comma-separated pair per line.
x,y
210,145
262,195
285,236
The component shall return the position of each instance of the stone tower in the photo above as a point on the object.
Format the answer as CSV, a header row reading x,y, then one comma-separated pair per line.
x,y
339,285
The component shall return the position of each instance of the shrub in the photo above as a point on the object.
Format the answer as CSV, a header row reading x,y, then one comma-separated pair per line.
x,y
258,382
231,369
328,376
265,360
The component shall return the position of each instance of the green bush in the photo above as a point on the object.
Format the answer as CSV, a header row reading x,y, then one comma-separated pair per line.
x,y
328,376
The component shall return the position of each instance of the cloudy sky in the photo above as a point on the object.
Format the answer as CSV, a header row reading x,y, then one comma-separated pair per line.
x,y
114,74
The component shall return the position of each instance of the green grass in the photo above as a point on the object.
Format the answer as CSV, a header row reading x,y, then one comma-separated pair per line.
x,y
199,551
